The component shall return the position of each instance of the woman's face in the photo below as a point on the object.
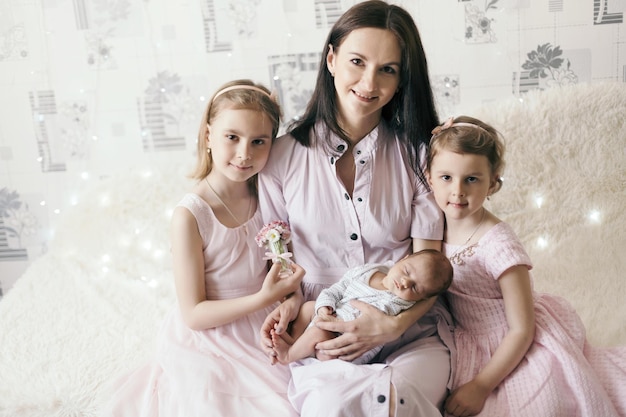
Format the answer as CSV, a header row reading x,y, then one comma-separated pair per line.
x,y
366,68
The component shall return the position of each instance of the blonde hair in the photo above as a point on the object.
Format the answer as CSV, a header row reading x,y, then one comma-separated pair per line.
x,y
237,94
467,135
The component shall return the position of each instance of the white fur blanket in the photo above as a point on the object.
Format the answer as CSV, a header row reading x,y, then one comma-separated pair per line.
x,y
89,308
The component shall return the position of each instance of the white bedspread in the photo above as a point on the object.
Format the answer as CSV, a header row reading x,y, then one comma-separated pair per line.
x,y
89,308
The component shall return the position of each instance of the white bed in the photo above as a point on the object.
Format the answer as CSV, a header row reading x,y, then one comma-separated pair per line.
x,y
89,308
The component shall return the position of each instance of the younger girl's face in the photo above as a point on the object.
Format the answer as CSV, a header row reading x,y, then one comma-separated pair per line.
x,y
240,141
460,183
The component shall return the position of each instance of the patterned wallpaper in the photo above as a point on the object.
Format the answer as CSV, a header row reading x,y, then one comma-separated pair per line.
x,y
90,87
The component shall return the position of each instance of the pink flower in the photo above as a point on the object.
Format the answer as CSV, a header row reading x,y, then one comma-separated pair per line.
x,y
273,232
275,235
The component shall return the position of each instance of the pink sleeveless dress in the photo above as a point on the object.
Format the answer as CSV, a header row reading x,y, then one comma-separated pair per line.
x,y
220,371
561,374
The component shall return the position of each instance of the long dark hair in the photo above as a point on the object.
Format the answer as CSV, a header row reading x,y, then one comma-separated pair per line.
x,y
411,113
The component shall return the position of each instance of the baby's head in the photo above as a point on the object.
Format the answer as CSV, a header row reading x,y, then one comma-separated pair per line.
x,y
420,275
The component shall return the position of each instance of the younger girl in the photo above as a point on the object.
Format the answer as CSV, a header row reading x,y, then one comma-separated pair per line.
x,y
519,353
208,362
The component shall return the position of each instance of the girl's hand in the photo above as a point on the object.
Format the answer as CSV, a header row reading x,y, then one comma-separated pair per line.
x,y
467,400
370,329
277,286
278,321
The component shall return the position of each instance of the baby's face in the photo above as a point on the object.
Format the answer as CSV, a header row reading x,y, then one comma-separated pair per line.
x,y
411,279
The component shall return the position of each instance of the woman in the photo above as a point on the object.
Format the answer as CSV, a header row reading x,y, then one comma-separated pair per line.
x,y
348,179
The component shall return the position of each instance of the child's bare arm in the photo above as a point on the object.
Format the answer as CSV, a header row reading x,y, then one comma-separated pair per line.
x,y
519,310
188,261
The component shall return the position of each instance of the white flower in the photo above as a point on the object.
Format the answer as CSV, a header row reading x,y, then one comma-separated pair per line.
x,y
272,235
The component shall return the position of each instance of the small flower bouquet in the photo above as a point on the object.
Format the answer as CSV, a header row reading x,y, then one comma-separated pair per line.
x,y
275,236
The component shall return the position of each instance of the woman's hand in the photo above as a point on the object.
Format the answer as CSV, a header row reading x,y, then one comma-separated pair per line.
x,y
467,400
370,329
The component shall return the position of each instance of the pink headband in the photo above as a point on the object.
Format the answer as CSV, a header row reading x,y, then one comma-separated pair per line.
x,y
450,123
241,87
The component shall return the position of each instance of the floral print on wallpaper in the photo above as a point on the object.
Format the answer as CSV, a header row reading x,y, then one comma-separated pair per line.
x,y
96,86
16,223
546,63
166,106
478,23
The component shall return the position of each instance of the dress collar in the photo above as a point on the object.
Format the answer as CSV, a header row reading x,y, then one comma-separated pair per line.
x,y
337,146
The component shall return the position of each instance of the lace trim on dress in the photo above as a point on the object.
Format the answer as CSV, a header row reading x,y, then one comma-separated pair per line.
x,y
467,252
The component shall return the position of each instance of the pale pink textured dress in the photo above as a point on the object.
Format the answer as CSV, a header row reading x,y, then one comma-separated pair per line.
x,y
561,374
220,371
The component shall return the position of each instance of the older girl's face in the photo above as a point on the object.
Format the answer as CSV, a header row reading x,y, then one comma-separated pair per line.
x,y
240,141
366,68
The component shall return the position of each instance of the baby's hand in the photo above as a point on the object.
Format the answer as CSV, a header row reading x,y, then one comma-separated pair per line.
x,y
325,314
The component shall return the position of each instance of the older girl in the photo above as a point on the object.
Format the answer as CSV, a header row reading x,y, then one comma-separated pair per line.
x,y
208,362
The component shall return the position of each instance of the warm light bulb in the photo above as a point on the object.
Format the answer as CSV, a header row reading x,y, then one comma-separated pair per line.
x,y
542,242
539,201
